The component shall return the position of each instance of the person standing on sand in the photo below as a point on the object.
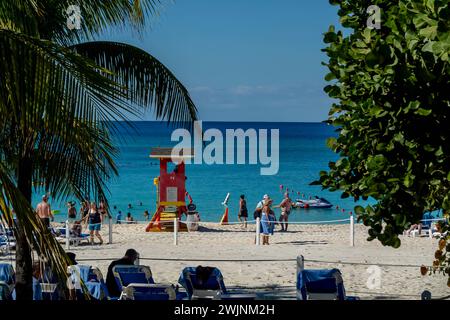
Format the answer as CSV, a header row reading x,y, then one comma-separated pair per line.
x,y
44,211
285,206
267,222
243,212
95,223
259,207
103,210
84,210
119,217
71,211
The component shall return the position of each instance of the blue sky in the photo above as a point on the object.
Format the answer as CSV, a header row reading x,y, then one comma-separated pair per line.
x,y
244,60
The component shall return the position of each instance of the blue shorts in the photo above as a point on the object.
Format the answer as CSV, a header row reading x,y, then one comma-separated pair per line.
x,y
95,227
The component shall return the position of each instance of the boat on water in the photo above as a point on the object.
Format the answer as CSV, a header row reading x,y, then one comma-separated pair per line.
x,y
312,203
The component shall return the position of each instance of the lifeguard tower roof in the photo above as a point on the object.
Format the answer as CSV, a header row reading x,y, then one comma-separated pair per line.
x,y
166,153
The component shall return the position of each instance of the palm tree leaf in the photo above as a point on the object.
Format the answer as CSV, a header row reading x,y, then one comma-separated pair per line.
x,y
37,235
148,82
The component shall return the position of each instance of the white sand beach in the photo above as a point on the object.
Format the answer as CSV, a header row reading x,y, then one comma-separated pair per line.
x,y
314,242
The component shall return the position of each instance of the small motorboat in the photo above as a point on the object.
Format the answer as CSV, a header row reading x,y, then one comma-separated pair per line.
x,y
313,203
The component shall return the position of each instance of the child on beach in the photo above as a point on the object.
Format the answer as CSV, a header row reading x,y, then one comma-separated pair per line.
x,y
119,217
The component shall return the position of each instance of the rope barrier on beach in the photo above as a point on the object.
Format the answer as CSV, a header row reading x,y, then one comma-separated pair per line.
x,y
227,223
262,260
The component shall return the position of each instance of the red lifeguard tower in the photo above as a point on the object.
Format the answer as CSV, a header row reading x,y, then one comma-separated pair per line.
x,y
171,190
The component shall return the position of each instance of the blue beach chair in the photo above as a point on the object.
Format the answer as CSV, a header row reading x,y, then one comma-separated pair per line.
x,y
61,235
145,292
131,274
323,284
92,278
7,281
211,289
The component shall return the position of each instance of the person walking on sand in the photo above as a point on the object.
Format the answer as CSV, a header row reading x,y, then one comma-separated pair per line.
x,y
285,206
44,211
95,223
243,212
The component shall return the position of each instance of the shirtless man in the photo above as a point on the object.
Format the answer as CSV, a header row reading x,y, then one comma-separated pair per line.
x,y
44,212
285,206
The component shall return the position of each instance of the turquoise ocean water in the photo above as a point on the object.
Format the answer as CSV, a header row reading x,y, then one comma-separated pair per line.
x,y
303,154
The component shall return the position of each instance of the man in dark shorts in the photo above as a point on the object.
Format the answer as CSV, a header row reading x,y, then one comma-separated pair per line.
x,y
285,206
243,212
129,259
44,211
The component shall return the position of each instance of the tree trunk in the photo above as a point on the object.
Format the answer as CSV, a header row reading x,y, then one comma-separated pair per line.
x,y
24,264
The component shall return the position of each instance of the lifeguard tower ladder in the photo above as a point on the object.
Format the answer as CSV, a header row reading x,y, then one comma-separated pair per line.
x,y
171,190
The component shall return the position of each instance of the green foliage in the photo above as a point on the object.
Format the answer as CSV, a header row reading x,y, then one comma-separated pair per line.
x,y
392,88
58,96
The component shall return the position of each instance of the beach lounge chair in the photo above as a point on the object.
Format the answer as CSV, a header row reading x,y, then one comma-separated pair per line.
x,y
144,291
131,274
7,281
60,234
7,240
323,284
211,289
92,278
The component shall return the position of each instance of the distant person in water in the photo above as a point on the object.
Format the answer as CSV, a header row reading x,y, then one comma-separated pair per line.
x,y
44,211
129,206
130,218
243,212
146,215
140,204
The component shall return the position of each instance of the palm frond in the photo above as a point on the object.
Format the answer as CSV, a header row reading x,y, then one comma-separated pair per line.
x,y
96,17
148,82
37,235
